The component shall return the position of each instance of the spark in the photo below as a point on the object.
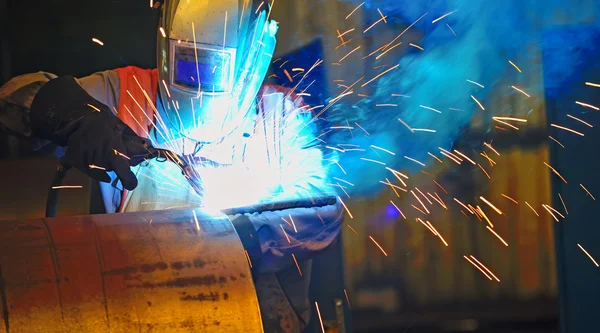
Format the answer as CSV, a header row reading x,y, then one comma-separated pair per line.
x,y
416,46
386,51
92,166
424,130
370,160
515,66
345,207
430,108
66,187
257,9
412,159
587,105
536,213
567,129
288,75
395,206
462,204
521,91
285,233
484,154
442,150
196,219
507,124
379,75
430,154
347,31
167,89
121,154
367,133
424,196
93,107
492,148
465,156
482,265
556,172
521,120
482,169
482,213
438,199
162,32
293,224
554,210
340,166
455,109
588,192
150,221
297,266
421,202
379,246
97,41
297,69
355,9
383,16
579,120
354,231
490,204
349,53
347,299
590,256
385,150
441,17
553,216
437,233
248,258
386,104
592,84
440,186
397,173
405,30
372,25
449,27
495,234
344,181
417,208
509,198
563,203
478,103
479,84
482,271
452,157
405,124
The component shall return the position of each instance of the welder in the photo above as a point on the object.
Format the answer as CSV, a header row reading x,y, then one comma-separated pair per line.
x,y
206,100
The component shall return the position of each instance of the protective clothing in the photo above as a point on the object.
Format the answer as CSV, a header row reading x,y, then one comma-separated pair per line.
x,y
211,64
67,115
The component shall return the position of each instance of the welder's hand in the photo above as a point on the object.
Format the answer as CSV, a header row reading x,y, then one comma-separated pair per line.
x,y
64,113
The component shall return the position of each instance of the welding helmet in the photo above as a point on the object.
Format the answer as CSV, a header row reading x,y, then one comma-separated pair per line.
x,y
212,59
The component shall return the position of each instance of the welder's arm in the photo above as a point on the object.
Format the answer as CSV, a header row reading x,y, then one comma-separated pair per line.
x,y
18,93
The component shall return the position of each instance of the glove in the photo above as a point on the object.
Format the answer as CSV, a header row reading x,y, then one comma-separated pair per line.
x,y
64,113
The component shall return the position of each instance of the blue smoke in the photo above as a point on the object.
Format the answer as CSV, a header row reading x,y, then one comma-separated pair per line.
x,y
488,34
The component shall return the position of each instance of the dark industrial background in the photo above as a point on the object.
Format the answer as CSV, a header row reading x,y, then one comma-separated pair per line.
x,y
398,295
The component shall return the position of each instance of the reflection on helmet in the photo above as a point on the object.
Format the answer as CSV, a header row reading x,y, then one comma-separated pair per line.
x,y
211,65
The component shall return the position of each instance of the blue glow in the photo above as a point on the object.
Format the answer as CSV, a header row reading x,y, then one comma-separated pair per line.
x,y
488,34
391,211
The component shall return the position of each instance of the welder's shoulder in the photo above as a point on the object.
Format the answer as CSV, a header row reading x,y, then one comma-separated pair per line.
x,y
25,80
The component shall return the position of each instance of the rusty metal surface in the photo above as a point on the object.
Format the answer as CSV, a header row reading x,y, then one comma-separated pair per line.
x,y
132,272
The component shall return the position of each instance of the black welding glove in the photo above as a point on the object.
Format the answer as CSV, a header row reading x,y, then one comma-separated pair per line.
x,y
64,113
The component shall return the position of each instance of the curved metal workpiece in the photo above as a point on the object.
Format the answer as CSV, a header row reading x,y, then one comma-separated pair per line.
x,y
134,272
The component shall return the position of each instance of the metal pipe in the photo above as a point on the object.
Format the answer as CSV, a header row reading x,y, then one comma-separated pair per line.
x,y
161,271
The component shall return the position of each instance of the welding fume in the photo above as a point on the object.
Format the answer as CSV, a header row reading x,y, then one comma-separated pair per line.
x,y
200,130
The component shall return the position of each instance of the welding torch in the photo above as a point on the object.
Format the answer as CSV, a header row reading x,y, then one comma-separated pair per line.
x,y
138,150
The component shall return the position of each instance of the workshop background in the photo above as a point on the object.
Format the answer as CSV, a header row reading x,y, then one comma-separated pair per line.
x,y
414,283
